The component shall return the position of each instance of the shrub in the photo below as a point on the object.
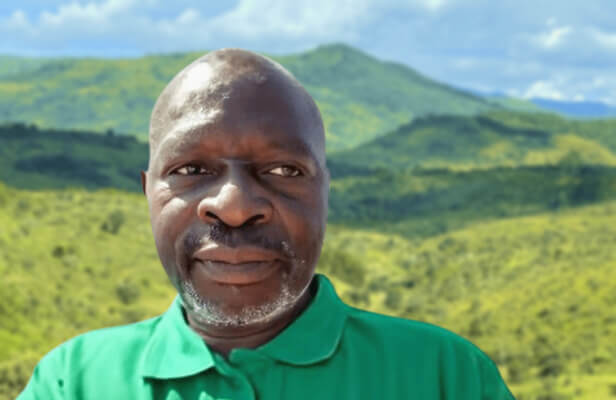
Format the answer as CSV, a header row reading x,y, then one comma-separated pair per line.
x,y
128,292
114,222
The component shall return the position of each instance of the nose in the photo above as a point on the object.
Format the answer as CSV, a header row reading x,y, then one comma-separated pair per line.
x,y
234,203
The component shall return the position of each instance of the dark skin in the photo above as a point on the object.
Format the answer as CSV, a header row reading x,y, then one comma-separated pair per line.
x,y
237,189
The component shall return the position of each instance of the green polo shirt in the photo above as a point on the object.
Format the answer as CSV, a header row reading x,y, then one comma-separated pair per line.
x,y
331,351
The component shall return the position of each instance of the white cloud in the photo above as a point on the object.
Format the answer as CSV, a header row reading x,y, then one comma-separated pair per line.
x,y
17,20
85,14
316,19
309,22
432,5
605,39
544,90
554,37
611,101
466,62
249,21
188,16
599,81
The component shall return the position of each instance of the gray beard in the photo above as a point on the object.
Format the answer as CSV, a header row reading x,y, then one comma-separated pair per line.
x,y
207,313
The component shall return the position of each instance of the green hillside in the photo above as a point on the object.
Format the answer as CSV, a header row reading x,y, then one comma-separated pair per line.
x,y
536,293
514,104
37,159
487,140
14,65
442,200
360,97
438,199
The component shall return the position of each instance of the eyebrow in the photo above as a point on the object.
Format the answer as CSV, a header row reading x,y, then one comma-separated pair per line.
x,y
296,149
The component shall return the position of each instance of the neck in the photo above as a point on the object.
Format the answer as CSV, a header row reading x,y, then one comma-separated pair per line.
x,y
253,336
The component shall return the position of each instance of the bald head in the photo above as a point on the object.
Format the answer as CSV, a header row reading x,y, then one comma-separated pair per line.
x,y
227,86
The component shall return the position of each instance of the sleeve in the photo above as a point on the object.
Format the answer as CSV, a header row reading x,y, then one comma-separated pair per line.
x,y
493,386
47,381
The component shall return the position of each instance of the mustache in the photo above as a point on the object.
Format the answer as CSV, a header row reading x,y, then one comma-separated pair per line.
x,y
243,236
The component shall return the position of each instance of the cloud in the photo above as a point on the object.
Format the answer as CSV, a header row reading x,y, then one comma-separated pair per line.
x,y
296,19
90,13
280,23
432,5
132,23
508,46
604,39
554,37
17,20
544,90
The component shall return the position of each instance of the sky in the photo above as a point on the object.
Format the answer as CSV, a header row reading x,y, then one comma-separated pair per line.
x,y
555,49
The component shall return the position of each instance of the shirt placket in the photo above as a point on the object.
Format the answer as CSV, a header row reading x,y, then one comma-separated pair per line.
x,y
242,387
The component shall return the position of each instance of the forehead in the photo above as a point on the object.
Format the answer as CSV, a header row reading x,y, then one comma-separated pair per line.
x,y
240,118
217,138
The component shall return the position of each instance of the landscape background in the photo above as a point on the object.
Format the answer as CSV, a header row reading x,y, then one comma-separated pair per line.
x,y
485,214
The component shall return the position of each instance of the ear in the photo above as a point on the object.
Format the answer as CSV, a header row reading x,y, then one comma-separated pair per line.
x,y
143,181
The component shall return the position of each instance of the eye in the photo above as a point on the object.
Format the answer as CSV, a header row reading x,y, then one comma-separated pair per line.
x,y
286,171
192,169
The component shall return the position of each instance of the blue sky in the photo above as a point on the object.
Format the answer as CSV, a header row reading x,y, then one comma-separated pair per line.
x,y
563,49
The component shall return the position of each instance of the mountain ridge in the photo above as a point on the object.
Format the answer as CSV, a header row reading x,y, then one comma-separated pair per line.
x,y
360,97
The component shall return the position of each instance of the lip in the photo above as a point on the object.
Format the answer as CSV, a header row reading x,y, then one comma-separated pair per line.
x,y
236,266
235,255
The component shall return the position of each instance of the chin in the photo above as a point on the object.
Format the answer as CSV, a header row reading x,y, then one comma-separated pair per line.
x,y
212,304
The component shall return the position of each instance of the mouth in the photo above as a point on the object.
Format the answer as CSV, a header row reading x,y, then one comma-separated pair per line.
x,y
236,266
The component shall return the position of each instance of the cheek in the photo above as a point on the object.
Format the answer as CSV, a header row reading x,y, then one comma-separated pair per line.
x,y
169,218
305,223
165,207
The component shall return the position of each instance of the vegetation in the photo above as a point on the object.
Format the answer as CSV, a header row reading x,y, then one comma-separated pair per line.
x,y
37,159
535,292
496,224
360,97
492,139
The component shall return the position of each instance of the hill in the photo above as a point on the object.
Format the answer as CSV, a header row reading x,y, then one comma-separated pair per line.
x,y
360,97
491,139
536,293
438,198
35,158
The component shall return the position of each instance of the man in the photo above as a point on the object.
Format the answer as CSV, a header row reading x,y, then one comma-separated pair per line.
x,y
237,188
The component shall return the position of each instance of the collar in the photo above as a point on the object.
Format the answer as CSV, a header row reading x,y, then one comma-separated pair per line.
x,y
314,335
175,350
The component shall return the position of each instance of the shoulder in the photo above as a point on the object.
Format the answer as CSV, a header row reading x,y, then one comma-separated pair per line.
x,y
402,331
102,347
426,350
125,341
406,339
104,351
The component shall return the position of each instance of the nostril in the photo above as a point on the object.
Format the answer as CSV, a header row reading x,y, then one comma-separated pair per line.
x,y
210,214
250,221
254,219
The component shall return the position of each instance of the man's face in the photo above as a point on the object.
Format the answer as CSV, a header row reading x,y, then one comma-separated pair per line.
x,y
237,189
